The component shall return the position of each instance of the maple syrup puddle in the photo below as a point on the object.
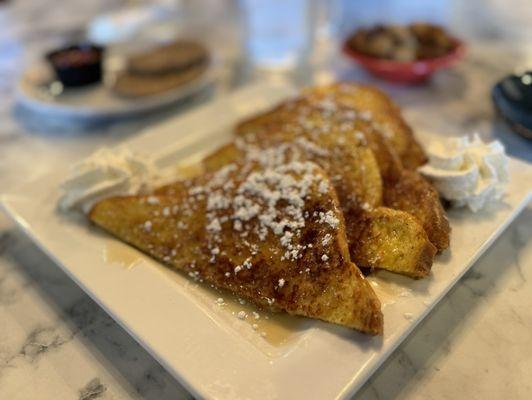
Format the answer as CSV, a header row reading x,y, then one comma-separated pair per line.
x,y
189,170
121,254
276,328
388,292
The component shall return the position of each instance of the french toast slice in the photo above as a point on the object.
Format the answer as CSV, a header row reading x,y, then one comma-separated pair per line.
x,y
377,108
273,235
301,116
414,194
351,166
350,169
394,241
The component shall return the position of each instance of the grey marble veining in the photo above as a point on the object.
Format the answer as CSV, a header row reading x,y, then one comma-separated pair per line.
x,y
59,336
56,343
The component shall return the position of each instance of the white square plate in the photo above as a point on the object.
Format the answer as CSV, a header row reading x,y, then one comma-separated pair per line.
x,y
213,353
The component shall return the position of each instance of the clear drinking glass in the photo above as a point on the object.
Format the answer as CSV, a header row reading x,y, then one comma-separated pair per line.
x,y
278,33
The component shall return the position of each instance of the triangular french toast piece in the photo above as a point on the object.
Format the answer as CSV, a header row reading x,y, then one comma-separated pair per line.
x,y
369,104
273,235
379,109
414,194
304,117
394,241
354,175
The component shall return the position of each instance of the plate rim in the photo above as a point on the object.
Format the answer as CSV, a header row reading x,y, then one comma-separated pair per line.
x,y
136,105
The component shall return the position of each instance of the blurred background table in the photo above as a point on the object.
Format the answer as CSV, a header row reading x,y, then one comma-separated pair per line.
x,y
57,343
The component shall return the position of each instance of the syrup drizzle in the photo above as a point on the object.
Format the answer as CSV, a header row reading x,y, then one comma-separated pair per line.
x,y
276,329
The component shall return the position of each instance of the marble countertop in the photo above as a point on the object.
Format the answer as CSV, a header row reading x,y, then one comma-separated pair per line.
x,y
56,343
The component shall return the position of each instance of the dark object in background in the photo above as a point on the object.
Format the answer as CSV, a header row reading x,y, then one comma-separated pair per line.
x,y
512,97
77,65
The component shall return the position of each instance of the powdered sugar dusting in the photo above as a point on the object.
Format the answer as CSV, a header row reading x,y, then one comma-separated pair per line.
x,y
269,201
261,200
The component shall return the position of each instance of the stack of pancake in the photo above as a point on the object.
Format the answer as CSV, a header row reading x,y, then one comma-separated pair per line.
x,y
162,69
285,215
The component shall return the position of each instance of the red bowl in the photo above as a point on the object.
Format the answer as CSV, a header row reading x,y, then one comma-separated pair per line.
x,y
406,72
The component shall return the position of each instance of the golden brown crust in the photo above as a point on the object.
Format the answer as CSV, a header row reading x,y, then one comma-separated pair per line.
x,y
288,116
383,114
390,165
393,240
176,227
415,195
351,166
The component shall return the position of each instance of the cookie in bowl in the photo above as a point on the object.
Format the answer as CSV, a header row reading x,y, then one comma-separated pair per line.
x,y
408,54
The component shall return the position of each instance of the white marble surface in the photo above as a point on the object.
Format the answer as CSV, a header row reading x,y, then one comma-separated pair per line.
x,y
56,343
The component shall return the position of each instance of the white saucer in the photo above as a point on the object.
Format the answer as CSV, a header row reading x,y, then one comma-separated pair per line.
x,y
97,101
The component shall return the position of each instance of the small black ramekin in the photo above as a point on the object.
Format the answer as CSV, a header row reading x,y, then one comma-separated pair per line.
x,y
81,73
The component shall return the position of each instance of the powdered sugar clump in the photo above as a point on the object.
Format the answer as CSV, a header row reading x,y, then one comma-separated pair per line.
x,y
329,218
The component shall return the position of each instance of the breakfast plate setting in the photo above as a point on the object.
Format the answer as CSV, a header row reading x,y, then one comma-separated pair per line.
x,y
86,81
275,234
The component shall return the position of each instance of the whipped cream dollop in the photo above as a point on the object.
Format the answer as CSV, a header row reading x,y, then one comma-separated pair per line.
x,y
466,171
106,173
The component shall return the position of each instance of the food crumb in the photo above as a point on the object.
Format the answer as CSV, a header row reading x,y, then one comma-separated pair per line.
x,y
152,200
